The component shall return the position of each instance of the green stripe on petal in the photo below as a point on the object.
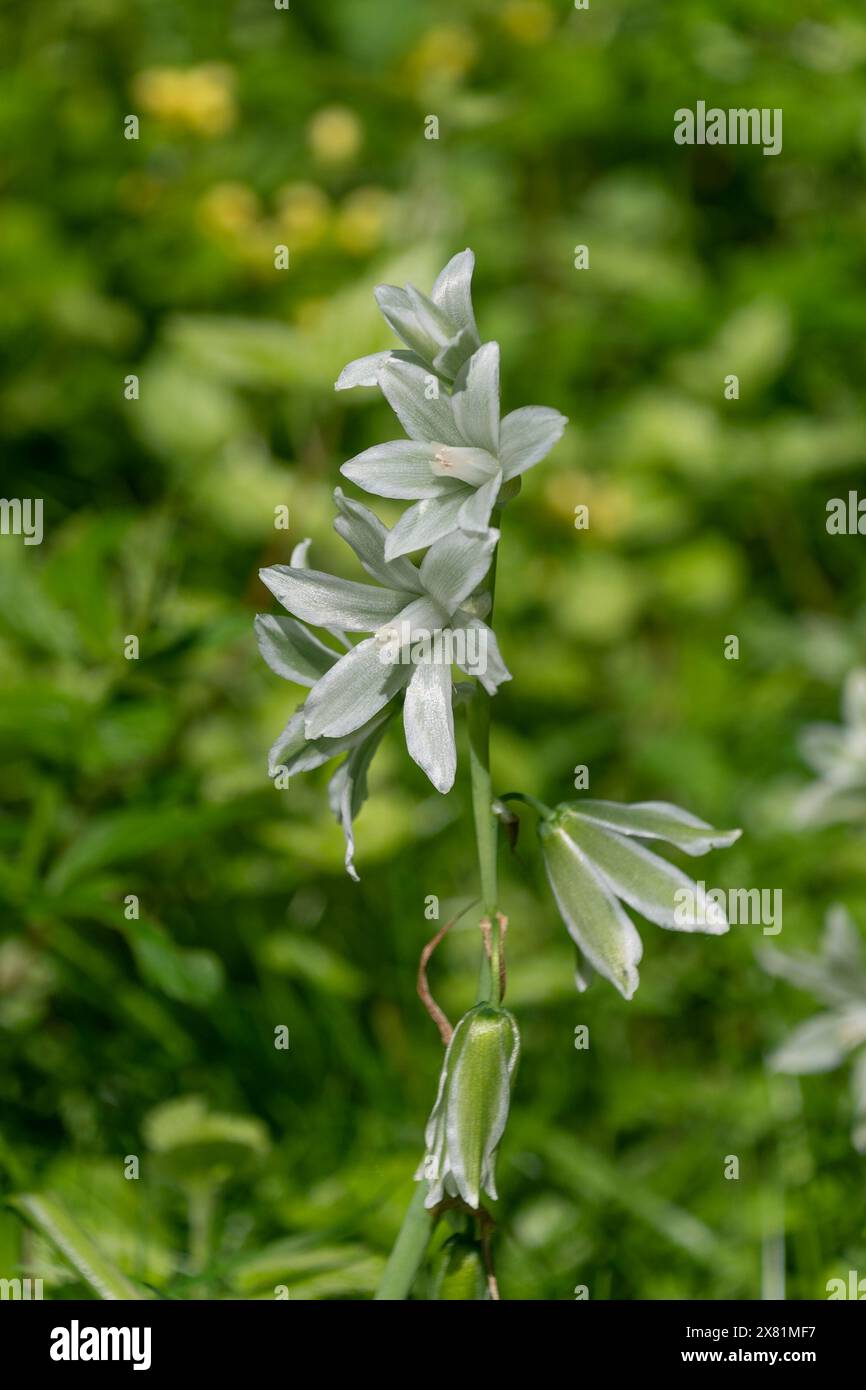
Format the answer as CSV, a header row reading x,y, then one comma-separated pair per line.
x,y
656,889
597,923
655,820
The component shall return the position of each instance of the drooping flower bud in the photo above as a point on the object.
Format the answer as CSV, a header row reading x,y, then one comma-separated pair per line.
x,y
471,1108
596,862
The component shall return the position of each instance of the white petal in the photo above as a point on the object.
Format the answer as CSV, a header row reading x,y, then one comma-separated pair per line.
x,y
425,522
456,565
365,533
364,371
821,1043
527,435
854,699
656,820
406,388
352,692
450,358
291,649
325,600
597,923
347,789
293,752
428,720
653,887
476,399
475,513
453,291
429,317
400,313
488,665
400,468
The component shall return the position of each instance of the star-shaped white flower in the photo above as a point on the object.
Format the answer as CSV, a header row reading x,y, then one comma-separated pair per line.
x,y
458,454
406,611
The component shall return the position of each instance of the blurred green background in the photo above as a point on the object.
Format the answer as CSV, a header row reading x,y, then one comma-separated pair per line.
x,y
261,127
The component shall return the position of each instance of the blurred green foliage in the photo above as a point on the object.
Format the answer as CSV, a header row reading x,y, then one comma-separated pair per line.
x,y
147,777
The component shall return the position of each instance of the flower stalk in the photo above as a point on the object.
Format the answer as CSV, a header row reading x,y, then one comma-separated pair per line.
x,y
460,461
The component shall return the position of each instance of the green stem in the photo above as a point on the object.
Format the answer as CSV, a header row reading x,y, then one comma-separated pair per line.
x,y
532,801
201,1209
486,826
409,1248
485,835
411,1244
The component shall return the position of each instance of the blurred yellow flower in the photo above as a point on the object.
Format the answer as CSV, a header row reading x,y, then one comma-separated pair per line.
x,y
257,246
445,54
362,220
528,21
229,208
303,214
335,135
200,99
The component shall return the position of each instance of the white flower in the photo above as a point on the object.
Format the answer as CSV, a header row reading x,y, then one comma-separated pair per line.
x,y
348,696
440,330
837,978
458,453
837,752
595,862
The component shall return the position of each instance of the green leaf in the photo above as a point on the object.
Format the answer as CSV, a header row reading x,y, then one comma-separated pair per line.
x,y
301,958
52,1220
192,977
126,835
203,1146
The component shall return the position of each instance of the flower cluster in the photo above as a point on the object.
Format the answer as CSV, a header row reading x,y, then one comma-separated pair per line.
x,y
458,465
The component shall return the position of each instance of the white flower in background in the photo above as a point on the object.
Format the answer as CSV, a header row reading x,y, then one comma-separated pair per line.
x,y
837,752
595,863
439,330
836,976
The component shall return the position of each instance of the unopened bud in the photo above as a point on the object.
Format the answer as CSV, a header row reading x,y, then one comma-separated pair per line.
x,y
471,1109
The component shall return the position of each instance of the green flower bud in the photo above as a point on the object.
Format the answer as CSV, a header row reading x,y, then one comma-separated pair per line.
x,y
459,1274
471,1108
